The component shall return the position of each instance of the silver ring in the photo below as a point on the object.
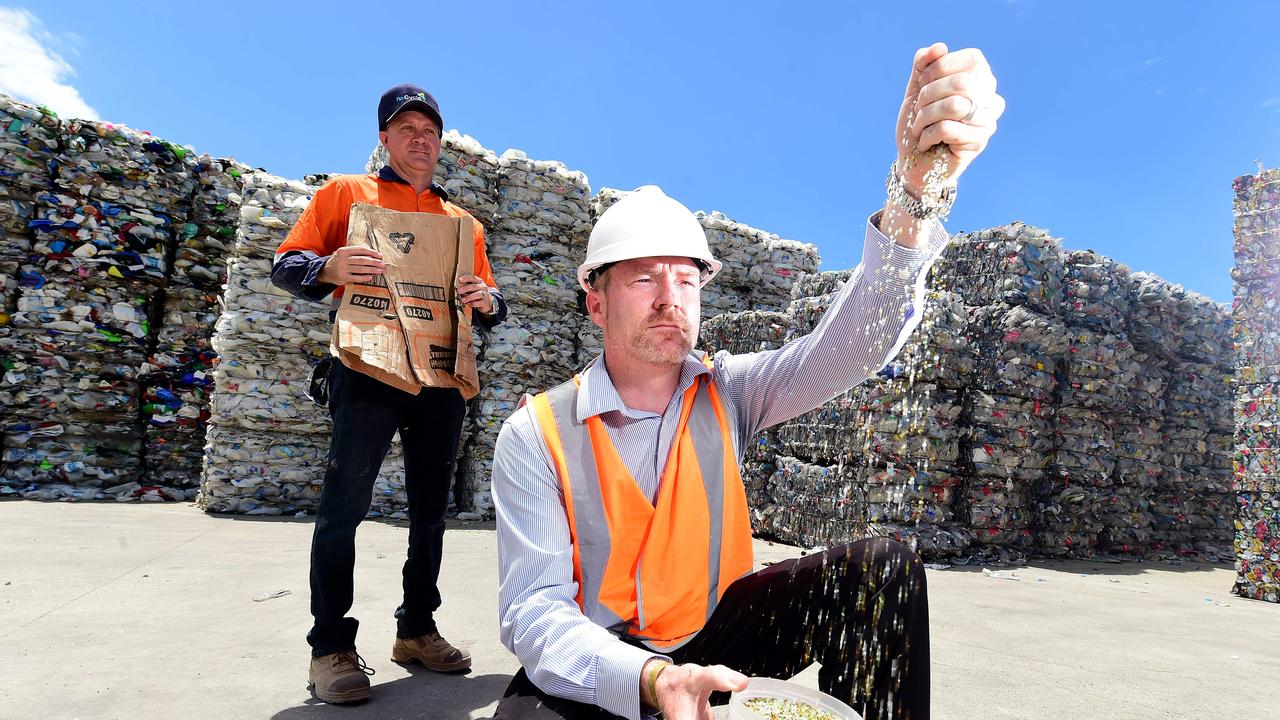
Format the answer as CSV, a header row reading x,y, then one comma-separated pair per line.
x,y
973,110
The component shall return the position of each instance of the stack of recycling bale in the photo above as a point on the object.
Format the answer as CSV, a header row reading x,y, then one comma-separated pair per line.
x,y
543,222
178,375
1184,336
736,245
911,433
816,495
787,504
1153,326
1009,444
1256,330
879,459
761,472
1011,278
911,420
1080,500
1198,428
103,233
747,332
1140,449
1082,504
29,138
267,443
1218,350
28,146
758,269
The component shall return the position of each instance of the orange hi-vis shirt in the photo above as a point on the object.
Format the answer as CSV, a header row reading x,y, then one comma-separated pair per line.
x,y
322,228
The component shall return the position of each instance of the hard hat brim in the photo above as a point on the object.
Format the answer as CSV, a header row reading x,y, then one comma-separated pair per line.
x,y
585,269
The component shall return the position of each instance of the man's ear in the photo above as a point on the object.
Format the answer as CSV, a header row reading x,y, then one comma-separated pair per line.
x,y
595,306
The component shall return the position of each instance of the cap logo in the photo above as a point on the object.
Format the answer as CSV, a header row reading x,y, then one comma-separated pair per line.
x,y
416,96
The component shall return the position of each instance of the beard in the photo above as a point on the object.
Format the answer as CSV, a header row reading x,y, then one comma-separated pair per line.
x,y
655,347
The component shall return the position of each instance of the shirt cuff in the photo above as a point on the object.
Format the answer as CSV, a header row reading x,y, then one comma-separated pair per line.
x,y
312,288
893,268
488,320
618,669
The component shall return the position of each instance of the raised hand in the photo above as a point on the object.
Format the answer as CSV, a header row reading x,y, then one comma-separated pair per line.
x,y
951,99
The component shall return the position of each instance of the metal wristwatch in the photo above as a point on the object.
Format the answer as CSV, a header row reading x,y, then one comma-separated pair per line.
x,y
929,206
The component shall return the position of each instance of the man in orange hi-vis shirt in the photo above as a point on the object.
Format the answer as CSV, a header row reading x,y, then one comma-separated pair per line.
x,y
312,263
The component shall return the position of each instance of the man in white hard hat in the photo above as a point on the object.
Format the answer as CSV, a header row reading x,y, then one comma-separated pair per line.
x,y
623,536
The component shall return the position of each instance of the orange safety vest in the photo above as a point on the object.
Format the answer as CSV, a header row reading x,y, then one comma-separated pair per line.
x,y
654,573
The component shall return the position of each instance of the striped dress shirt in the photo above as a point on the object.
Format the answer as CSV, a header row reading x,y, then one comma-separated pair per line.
x,y
564,653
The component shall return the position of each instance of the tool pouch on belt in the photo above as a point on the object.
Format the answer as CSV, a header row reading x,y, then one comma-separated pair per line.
x,y
405,327
318,386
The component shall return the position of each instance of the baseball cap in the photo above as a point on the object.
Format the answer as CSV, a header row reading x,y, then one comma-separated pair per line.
x,y
407,97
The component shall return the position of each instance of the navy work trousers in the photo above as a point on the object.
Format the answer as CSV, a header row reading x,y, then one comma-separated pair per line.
x,y
366,415
861,610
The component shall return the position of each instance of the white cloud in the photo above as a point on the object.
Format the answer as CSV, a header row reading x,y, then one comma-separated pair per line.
x,y
31,68
1273,102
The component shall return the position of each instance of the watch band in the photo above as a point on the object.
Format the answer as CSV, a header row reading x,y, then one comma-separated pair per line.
x,y
929,206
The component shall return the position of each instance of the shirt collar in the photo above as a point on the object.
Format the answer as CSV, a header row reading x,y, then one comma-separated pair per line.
x,y
597,394
389,174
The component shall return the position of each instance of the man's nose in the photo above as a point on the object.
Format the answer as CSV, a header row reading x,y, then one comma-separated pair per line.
x,y
668,292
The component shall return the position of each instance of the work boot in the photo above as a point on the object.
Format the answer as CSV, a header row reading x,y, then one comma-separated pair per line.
x,y
340,677
432,651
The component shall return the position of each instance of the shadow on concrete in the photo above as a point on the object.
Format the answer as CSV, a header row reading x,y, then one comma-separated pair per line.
x,y
422,695
1102,565
1090,567
451,523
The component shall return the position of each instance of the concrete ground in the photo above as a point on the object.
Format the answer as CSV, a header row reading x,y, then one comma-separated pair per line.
x,y
161,611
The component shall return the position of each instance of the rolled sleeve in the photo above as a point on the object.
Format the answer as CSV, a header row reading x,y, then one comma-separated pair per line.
x,y
298,273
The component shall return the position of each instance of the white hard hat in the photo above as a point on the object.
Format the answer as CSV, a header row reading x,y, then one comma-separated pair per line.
x,y
646,223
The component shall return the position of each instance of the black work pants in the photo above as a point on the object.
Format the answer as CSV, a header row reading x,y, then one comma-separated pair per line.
x,y
366,415
861,610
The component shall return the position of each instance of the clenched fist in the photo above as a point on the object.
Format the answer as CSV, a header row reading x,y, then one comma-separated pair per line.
x,y
951,99
474,293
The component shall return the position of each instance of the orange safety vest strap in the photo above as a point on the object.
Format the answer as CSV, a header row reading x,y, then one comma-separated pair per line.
x,y
584,502
708,444
546,422
736,520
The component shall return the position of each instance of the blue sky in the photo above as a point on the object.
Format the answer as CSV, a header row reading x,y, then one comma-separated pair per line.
x,y
1126,121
